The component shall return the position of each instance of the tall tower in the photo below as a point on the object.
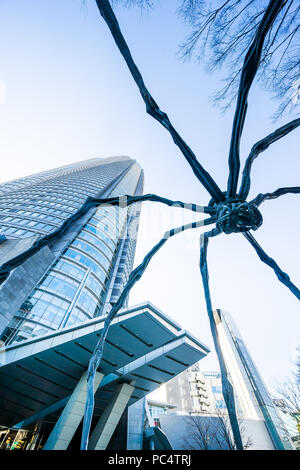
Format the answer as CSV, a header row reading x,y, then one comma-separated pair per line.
x,y
80,274
253,402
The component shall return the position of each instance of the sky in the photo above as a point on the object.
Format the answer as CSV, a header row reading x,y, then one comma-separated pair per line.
x,y
66,96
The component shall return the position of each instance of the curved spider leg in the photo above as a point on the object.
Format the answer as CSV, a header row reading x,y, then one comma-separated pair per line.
x,y
260,147
227,388
250,67
90,202
281,275
152,107
169,202
279,192
96,358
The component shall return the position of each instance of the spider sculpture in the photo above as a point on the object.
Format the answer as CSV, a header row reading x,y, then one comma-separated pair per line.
x,y
228,210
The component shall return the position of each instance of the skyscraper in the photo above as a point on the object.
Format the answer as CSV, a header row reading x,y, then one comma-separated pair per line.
x,y
253,402
53,305
78,275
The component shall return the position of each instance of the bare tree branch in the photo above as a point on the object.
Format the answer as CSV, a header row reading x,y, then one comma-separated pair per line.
x,y
201,433
290,392
228,30
142,4
225,431
288,401
212,432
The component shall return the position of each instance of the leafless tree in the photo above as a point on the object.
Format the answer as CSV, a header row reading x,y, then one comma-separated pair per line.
x,y
224,432
212,432
221,34
288,399
226,30
200,433
298,365
130,3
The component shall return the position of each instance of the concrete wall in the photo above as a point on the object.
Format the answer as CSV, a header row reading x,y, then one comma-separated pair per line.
x,y
178,392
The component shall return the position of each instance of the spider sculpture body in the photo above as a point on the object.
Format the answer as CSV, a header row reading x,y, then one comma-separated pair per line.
x,y
237,216
228,210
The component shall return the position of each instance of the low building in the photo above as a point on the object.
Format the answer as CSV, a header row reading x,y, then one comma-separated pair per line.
x,y
195,391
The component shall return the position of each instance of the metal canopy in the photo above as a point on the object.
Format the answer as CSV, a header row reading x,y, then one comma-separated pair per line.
x,y
143,345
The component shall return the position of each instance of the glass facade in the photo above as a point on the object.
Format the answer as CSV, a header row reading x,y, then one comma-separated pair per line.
x,y
39,204
92,269
248,384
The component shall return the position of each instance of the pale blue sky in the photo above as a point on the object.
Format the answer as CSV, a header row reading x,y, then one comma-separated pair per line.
x,y
69,97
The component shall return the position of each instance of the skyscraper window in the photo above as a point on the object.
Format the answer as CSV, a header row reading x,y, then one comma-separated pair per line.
x,y
83,279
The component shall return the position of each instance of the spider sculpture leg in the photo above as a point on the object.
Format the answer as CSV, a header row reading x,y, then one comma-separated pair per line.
x,y
250,67
151,106
227,388
98,351
258,148
279,192
122,201
281,275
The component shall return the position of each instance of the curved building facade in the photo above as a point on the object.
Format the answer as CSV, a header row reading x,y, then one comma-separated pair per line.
x,y
90,263
253,401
